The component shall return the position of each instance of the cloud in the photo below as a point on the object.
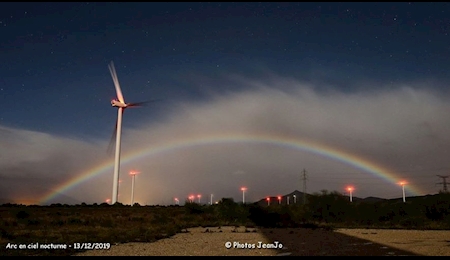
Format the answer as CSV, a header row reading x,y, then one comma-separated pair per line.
x,y
403,128
239,172
33,164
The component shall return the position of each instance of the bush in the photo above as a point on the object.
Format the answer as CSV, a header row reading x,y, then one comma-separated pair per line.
x,y
22,214
193,208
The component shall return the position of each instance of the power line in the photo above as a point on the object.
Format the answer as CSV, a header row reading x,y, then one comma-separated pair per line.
x,y
444,182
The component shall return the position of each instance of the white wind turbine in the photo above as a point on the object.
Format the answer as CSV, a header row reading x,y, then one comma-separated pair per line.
x,y
121,105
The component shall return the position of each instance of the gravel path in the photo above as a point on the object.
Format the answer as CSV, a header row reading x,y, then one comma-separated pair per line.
x,y
197,241
422,242
294,242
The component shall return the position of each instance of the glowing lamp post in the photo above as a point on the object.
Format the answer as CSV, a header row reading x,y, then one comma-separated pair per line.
x,y
191,198
177,202
403,183
210,202
133,175
243,189
350,189
279,200
287,200
199,196
268,201
108,201
295,199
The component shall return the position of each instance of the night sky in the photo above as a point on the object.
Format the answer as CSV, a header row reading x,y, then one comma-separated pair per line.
x,y
369,79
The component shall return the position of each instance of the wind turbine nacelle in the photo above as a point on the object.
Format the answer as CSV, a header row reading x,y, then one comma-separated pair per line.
x,y
116,103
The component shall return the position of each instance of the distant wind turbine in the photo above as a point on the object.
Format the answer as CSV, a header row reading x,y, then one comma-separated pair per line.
x,y
133,176
121,105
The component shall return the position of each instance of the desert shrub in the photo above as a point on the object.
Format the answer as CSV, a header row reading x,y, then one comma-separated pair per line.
x,y
328,206
76,221
160,219
386,216
57,222
264,217
33,222
106,222
287,218
231,212
6,234
137,218
412,222
438,207
22,214
193,208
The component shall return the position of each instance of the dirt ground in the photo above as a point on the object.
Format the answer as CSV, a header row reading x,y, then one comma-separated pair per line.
x,y
234,241
421,242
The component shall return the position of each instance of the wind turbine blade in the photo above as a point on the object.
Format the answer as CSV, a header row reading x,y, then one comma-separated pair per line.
x,y
139,104
112,70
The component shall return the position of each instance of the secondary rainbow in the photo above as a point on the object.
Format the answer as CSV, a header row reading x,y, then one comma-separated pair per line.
x,y
283,141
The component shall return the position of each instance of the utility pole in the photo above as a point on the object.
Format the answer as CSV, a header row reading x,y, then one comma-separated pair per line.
x,y
304,177
444,182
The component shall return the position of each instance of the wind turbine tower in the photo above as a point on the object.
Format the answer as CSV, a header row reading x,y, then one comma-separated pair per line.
x,y
133,176
121,105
